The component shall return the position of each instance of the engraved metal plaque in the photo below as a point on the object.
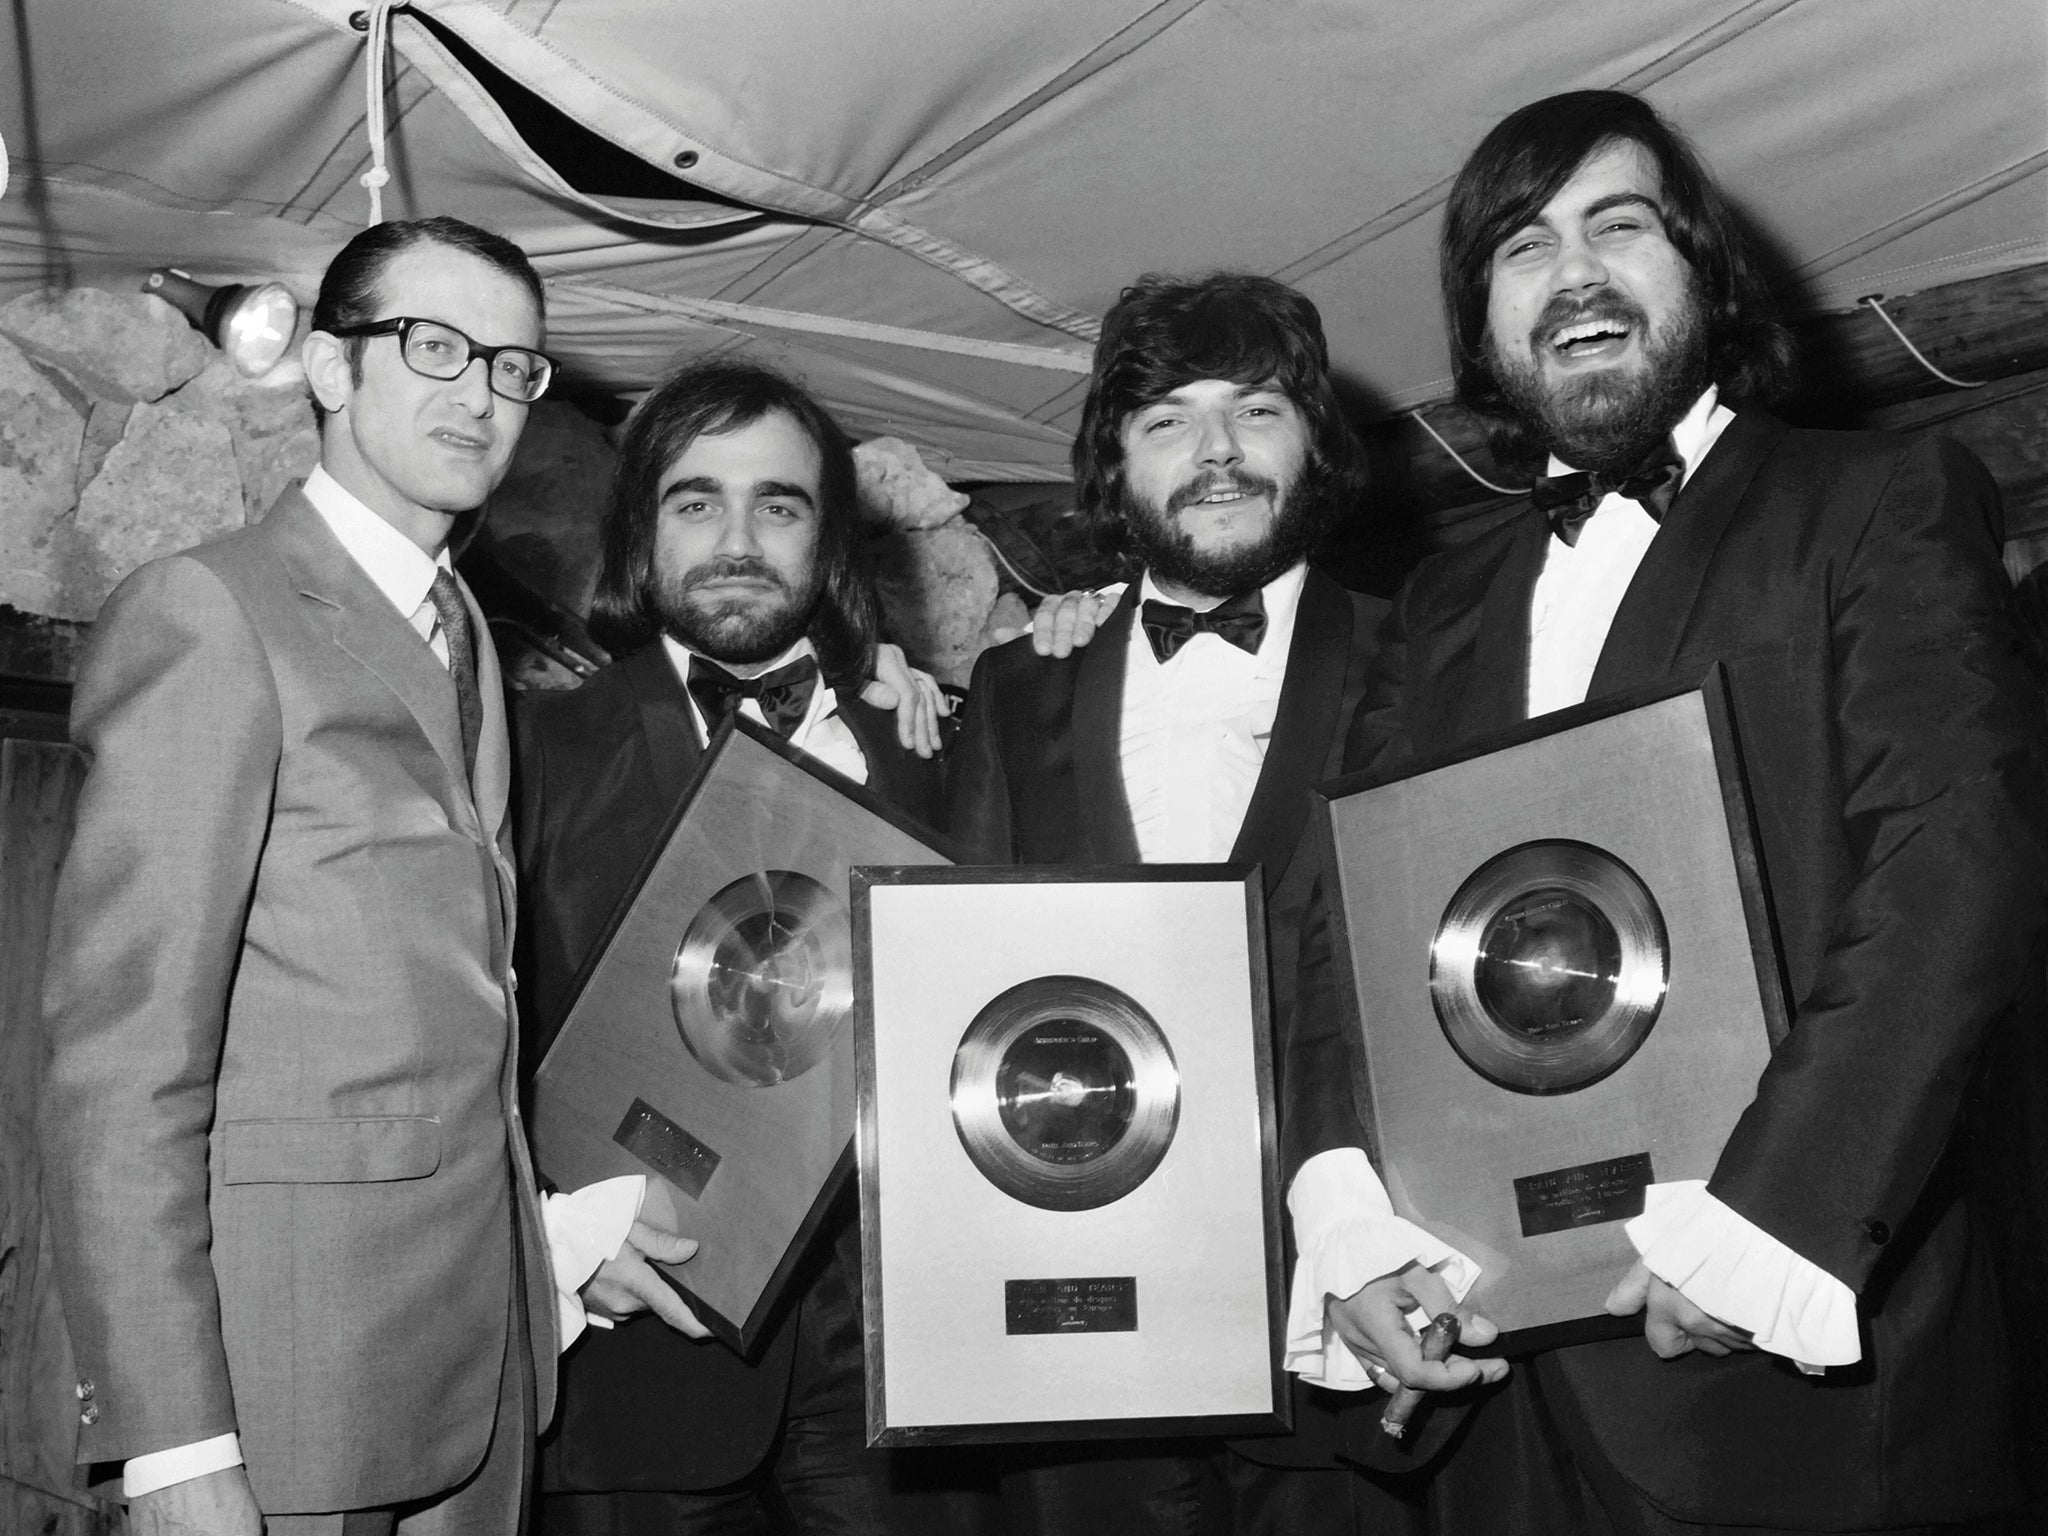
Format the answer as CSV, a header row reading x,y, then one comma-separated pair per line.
x,y
1103,1304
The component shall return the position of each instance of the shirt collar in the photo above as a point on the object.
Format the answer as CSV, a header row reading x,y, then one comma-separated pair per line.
x,y
1698,431
399,568
823,701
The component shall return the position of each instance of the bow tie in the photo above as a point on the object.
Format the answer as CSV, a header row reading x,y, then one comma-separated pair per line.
x,y
1568,500
1241,621
785,693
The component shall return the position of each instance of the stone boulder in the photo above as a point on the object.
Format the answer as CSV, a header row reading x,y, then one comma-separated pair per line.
x,y
40,434
118,346
171,482
269,420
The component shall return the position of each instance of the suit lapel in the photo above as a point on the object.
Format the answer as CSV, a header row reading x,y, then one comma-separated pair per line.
x,y
667,730
362,622
1496,693
1642,643
1107,833
1305,728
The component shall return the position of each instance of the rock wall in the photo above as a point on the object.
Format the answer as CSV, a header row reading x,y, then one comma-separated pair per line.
x,y
125,435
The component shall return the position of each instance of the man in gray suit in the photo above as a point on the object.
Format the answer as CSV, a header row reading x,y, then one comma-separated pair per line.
x,y
296,1229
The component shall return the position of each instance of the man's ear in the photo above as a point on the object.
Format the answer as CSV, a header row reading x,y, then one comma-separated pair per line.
x,y
328,371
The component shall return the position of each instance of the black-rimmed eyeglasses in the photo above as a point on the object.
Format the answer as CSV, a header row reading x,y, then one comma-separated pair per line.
x,y
436,350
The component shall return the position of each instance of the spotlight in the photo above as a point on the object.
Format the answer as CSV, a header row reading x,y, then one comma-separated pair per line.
x,y
252,324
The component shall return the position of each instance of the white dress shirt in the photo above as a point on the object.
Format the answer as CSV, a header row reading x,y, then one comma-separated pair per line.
x,y
1195,730
577,1236
1722,1263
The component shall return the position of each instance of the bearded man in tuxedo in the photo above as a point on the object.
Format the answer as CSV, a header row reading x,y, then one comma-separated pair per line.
x,y
729,583
1821,1345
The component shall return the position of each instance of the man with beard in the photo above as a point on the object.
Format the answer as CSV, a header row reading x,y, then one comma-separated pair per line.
x,y
1821,1342
728,581
1193,729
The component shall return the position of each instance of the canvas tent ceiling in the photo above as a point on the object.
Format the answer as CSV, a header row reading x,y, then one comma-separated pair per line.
x,y
922,206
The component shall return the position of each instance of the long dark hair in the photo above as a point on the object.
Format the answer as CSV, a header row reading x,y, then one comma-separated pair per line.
x,y
351,289
1524,162
715,397
1165,332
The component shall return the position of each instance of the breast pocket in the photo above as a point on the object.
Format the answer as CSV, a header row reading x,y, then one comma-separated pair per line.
x,y
372,1149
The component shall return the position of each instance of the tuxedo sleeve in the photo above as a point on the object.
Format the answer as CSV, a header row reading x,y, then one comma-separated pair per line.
x,y
977,787
1941,914
178,717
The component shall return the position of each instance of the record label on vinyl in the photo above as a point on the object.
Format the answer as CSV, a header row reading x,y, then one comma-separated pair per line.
x,y
1065,1093
763,978
1549,967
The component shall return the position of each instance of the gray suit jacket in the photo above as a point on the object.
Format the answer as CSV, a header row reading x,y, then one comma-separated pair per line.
x,y
286,1174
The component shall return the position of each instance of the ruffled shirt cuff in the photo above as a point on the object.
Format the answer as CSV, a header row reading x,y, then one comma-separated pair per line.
x,y
1346,1235
585,1227
1732,1269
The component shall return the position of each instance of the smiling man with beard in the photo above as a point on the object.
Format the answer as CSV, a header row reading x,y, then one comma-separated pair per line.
x,y
1209,704
729,581
1821,1345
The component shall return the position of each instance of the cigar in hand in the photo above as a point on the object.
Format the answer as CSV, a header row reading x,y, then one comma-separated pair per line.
x,y
1438,1340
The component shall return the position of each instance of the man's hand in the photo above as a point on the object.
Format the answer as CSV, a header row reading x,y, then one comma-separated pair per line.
x,y
628,1283
1373,1323
914,695
1066,622
1673,1325
217,1504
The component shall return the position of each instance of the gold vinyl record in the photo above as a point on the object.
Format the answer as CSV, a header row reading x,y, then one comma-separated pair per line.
x,y
763,978
1065,1093
1549,967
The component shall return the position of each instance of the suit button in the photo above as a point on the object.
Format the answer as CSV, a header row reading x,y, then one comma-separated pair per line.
x,y
84,1388
1877,1232
89,1414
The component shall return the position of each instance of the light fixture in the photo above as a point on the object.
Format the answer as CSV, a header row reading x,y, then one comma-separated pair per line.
x,y
253,324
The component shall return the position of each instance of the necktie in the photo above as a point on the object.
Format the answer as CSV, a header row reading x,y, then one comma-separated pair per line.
x,y
1241,621
785,693
454,614
1568,500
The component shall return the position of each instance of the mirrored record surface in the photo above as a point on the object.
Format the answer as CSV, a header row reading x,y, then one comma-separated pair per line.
x,y
1549,966
763,978
1065,1093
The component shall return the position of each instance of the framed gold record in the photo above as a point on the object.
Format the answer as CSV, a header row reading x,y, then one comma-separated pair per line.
x,y
710,1043
1069,1199
1562,987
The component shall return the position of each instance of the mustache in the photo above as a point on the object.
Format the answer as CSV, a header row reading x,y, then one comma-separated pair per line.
x,y
1242,482
1606,304
727,568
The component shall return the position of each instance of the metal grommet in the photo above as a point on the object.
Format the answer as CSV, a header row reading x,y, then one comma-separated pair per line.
x,y
686,159
360,20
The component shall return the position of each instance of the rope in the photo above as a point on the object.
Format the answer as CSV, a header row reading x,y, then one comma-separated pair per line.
x,y
376,53
1874,301
1459,459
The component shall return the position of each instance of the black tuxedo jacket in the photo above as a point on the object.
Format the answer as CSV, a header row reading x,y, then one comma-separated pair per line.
x,y
1892,732
1035,778
600,771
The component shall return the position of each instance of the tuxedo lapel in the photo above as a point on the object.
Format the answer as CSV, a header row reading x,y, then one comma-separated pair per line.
x,y
361,621
1108,836
1496,693
1642,643
1305,728
667,732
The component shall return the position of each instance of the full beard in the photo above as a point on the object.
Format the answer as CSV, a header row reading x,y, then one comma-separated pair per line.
x,y
1303,512
1608,420
733,630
